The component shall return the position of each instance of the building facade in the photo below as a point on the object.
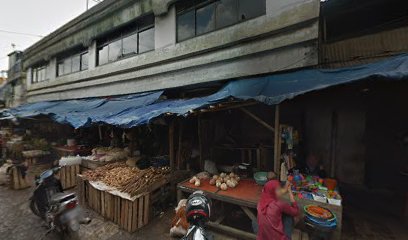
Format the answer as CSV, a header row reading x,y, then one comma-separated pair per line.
x,y
15,89
131,46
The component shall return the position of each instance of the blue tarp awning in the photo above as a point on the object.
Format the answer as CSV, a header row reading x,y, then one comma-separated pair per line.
x,y
137,109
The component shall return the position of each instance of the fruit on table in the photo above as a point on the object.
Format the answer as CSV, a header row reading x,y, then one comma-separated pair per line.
x,y
212,182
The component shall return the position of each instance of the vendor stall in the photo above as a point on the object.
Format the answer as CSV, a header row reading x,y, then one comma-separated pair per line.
x,y
122,194
225,145
246,195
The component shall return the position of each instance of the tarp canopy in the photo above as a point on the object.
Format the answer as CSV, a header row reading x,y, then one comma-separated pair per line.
x,y
83,112
137,109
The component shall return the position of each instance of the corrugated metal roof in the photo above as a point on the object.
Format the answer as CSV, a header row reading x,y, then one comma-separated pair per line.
x,y
361,49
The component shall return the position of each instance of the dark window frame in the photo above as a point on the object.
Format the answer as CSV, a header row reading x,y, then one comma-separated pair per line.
x,y
35,73
71,57
137,30
202,4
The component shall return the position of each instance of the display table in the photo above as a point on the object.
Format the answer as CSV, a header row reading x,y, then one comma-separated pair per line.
x,y
246,195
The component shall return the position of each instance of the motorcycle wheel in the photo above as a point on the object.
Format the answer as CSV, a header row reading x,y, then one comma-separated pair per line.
x,y
34,208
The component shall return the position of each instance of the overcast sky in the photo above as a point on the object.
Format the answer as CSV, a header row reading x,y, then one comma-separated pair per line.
x,y
38,17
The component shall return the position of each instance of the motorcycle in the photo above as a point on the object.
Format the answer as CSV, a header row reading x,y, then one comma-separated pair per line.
x,y
60,211
198,211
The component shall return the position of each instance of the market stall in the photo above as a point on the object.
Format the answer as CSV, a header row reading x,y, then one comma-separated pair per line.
x,y
246,196
247,157
122,194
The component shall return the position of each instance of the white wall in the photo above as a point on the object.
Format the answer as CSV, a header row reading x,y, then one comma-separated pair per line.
x,y
165,29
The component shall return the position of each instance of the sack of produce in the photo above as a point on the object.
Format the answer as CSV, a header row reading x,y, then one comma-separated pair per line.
x,y
179,225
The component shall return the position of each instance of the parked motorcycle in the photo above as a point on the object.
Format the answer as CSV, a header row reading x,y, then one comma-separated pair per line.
x,y
198,211
59,210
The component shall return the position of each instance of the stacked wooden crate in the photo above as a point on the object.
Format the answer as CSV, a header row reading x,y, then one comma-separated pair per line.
x,y
68,174
129,215
16,179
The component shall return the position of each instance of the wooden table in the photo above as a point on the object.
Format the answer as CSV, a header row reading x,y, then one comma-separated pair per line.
x,y
246,195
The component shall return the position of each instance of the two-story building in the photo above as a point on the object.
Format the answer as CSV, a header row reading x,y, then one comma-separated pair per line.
x,y
123,47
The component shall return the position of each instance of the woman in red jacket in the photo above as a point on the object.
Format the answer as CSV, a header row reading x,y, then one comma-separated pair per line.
x,y
270,211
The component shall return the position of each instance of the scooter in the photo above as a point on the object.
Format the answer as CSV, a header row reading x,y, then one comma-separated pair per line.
x,y
198,211
60,211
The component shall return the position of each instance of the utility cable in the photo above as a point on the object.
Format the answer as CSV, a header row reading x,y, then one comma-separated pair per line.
x,y
20,33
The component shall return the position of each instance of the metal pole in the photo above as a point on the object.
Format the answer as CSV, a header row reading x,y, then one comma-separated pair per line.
x,y
87,5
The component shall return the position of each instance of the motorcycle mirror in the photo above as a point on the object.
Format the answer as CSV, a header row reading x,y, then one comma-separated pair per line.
x,y
56,169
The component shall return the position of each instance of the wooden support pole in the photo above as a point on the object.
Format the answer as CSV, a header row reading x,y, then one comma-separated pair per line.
x,y
200,142
258,119
180,143
277,145
171,145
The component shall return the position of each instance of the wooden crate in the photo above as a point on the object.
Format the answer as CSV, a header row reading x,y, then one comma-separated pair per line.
x,y
67,176
129,215
31,161
16,180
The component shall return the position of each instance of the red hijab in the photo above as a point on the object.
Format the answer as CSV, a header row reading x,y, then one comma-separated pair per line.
x,y
268,195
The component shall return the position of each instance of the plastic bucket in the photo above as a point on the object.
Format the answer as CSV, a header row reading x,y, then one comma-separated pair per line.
x,y
330,183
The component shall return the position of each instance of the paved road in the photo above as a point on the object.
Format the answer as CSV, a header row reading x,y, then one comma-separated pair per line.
x,y
18,223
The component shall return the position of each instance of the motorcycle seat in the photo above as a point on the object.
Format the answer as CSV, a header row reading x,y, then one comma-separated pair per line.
x,y
62,197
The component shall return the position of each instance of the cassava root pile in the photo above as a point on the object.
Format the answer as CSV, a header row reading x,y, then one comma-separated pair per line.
x,y
138,183
126,179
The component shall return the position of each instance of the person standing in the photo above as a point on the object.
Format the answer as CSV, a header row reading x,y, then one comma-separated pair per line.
x,y
271,208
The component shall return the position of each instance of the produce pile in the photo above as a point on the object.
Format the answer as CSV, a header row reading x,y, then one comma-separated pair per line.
x,y
222,181
108,154
126,179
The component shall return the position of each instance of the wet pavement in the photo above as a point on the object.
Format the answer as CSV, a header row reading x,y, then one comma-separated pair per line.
x,y
18,223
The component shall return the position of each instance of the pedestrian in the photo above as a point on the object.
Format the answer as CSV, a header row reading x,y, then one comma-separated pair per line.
x,y
272,208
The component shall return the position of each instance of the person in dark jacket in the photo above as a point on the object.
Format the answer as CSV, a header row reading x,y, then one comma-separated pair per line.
x,y
313,167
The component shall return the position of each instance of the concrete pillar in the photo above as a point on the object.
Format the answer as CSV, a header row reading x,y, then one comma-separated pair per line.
x,y
93,52
165,29
52,70
29,77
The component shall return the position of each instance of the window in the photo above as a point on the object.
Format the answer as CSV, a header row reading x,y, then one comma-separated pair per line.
x,y
103,55
73,63
135,39
145,40
197,17
130,45
39,73
226,13
84,61
186,25
205,19
251,8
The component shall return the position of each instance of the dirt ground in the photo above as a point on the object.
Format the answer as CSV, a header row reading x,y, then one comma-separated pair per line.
x,y
18,223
